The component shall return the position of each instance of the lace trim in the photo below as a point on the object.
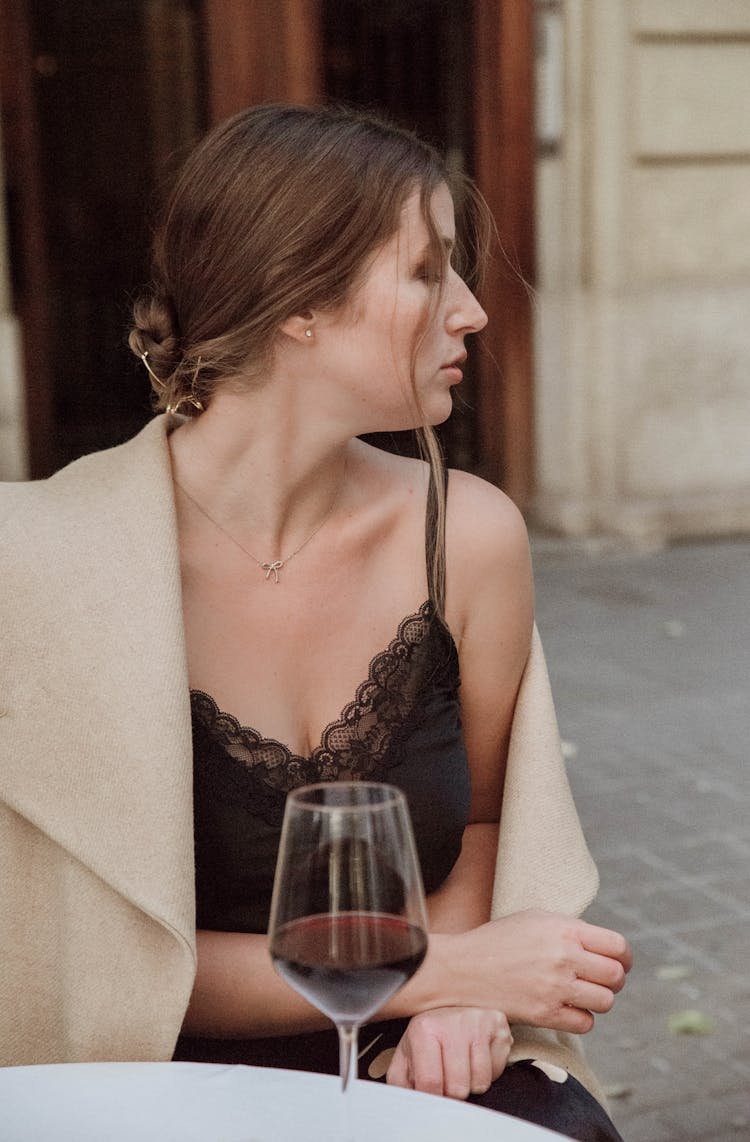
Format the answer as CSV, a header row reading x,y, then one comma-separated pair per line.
x,y
356,744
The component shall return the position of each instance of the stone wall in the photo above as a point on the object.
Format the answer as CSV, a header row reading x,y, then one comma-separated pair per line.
x,y
643,309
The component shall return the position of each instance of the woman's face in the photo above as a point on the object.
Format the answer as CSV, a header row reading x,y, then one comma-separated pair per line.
x,y
398,308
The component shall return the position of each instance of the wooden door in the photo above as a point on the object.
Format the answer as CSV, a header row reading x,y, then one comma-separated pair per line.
x,y
261,51
504,168
96,98
26,236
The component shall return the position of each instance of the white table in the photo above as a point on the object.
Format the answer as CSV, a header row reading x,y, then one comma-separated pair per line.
x,y
201,1102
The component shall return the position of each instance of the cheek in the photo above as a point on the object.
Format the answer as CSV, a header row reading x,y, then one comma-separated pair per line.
x,y
399,335
419,330
426,341
401,341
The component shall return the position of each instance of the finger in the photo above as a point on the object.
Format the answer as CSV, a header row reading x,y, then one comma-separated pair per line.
x,y
603,970
499,1052
427,1066
577,1020
591,997
457,1070
482,1066
606,942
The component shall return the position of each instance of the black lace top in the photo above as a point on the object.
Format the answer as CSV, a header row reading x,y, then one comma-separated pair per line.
x,y
403,726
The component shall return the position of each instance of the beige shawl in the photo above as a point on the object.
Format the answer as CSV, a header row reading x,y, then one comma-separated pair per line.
x,y
97,941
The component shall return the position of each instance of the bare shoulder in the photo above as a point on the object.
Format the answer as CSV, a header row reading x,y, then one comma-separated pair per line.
x,y
485,532
481,520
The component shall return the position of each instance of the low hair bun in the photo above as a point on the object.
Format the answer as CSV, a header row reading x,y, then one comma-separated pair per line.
x,y
153,338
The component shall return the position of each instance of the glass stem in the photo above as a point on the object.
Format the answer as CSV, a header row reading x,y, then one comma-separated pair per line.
x,y
348,1066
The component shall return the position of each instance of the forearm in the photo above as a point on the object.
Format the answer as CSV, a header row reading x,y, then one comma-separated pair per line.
x,y
238,994
539,968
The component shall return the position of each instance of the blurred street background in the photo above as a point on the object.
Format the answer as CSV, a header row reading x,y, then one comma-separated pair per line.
x,y
649,655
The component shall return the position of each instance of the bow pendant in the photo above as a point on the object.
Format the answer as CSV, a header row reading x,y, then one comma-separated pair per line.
x,y
273,569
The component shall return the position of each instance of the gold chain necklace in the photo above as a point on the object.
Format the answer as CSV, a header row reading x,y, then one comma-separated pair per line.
x,y
271,567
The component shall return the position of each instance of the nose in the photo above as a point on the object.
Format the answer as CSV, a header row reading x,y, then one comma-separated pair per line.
x,y
464,313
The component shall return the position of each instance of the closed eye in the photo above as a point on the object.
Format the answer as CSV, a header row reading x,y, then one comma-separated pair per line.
x,y
433,268
429,274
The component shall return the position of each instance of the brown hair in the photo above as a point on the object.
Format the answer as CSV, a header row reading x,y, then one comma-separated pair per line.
x,y
277,212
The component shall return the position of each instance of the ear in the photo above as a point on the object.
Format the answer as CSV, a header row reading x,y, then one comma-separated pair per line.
x,y
299,327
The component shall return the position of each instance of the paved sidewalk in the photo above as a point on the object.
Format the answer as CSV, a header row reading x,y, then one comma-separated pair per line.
x,y
649,655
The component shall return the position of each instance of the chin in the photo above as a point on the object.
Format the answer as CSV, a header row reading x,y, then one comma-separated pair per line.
x,y
432,416
438,411
441,419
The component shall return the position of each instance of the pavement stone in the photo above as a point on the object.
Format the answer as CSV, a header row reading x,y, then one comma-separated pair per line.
x,y
649,656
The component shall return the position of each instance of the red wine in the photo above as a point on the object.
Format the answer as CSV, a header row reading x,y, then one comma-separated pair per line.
x,y
348,964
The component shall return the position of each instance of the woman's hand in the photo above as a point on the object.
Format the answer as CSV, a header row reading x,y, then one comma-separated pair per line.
x,y
538,967
453,1051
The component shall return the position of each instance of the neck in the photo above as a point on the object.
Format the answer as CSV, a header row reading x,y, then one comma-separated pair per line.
x,y
264,475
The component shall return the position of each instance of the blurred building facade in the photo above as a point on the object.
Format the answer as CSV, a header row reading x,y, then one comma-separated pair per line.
x,y
622,400
642,324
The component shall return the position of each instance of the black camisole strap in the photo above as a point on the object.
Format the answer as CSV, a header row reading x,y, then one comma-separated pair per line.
x,y
434,544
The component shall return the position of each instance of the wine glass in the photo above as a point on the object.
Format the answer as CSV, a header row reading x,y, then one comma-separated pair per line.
x,y
348,924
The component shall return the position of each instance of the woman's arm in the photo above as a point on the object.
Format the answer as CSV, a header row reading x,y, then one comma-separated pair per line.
x,y
490,609
238,994
537,967
540,968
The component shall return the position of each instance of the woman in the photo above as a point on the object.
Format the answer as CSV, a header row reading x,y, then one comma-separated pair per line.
x,y
331,596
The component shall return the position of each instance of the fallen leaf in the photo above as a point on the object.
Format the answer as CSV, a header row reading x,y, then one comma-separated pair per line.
x,y
380,1064
674,971
618,1090
690,1022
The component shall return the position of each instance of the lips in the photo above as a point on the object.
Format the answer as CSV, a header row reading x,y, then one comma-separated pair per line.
x,y
452,369
456,363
